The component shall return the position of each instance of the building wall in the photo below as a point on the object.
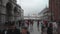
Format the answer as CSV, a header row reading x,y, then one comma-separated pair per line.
x,y
22,14
54,6
44,14
3,11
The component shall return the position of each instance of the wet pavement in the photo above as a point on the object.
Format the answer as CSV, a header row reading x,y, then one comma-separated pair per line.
x,y
35,29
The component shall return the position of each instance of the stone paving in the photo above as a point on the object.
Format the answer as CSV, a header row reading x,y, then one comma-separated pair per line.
x,y
35,29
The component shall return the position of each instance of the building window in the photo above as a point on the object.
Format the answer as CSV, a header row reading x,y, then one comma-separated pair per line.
x,y
15,9
9,7
0,2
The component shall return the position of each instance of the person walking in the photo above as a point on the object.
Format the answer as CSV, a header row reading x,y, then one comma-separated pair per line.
x,y
12,29
46,24
50,29
31,25
27,23
0,32
38,25
42,28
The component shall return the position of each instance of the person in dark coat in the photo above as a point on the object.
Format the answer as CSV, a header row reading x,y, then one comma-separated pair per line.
x,y
50,29
25,30
4,31
0,32
12,29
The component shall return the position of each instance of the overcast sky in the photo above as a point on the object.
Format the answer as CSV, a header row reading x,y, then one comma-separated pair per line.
x,y
32,6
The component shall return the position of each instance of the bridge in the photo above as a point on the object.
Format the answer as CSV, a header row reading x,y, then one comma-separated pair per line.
x,y
33,18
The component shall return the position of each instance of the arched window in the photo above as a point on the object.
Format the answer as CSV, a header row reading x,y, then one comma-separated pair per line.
x,y
9,7
15,9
